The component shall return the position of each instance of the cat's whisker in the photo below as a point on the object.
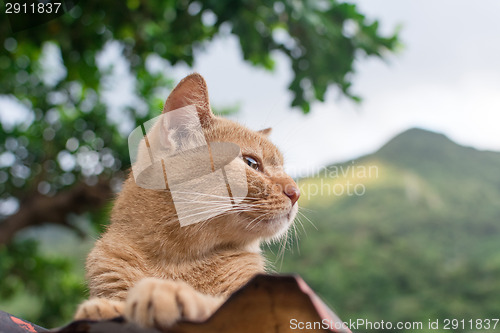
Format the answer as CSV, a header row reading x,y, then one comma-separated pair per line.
x,y
212,195
259,219
306,209
195,200
256,221
250,223
296,234
204,204
307,219
226,213
299,221
215,209
265,216
282,248
221,204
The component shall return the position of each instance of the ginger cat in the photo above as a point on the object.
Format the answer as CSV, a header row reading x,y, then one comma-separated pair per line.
x,y
154,272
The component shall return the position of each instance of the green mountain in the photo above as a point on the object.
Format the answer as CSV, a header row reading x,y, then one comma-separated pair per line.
x,y
408,233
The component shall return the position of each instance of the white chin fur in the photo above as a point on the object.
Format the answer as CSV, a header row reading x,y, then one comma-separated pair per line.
x,y
281,224
293,212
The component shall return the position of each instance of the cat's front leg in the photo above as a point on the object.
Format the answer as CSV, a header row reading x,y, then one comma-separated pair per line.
x,y
99,309
160,303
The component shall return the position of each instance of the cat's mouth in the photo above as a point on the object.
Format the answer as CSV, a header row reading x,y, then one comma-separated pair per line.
x,y
268,223
278,224
286,217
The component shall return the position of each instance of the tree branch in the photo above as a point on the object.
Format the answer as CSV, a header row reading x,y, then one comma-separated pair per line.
x,y
39,209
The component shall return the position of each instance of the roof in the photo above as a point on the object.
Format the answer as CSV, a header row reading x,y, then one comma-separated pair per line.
x,y
267,303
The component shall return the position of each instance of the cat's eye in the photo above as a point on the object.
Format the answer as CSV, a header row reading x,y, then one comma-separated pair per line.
x,y
252,163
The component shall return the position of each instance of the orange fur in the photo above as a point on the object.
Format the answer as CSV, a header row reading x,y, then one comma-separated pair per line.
x,y
215,257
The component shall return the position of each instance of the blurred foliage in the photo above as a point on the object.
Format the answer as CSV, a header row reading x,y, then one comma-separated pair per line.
x,y
423,241
43,280
65,132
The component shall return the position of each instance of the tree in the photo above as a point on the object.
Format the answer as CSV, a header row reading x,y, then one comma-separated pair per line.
x,y
68,155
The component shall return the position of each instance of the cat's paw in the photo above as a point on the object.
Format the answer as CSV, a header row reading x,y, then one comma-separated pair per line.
x,y
160,303
99,309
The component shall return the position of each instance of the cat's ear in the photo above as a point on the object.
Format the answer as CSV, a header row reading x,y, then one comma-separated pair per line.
x,y
266,131
192,90
181,129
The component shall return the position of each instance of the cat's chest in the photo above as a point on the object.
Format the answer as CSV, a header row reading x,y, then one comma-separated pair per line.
x,y
220,274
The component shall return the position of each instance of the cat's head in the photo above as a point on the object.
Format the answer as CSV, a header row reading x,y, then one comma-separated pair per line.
x,y
268,204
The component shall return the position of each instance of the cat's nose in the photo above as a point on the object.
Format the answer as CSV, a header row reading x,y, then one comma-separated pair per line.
x,y
293,193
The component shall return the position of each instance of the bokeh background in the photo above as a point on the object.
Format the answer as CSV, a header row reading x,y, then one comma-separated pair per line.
x,y
408,90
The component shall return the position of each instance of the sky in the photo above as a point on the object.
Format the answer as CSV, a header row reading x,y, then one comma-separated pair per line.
x,y
445,79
